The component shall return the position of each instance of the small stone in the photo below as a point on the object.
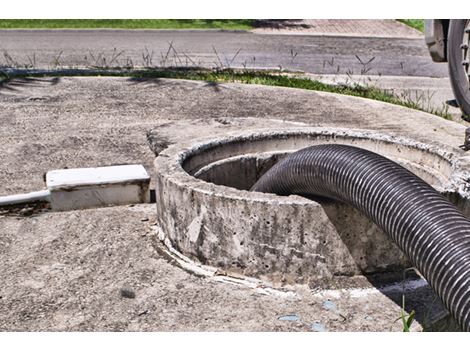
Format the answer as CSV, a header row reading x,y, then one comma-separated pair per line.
x,y
143,313
290,317
223,120
144,219
127,292
26,211
318,327
328,305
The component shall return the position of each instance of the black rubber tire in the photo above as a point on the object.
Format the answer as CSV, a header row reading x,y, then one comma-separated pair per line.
x,y
458,76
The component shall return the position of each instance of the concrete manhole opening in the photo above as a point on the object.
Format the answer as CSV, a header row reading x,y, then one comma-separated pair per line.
x,y
206,211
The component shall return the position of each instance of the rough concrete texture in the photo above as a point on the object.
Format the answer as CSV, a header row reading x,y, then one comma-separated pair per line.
x,y
54,123
66,271
274,238
429,93
56,268
344,27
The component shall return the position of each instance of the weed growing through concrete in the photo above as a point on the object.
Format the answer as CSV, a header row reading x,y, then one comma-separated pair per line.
x,y
406,319
424,101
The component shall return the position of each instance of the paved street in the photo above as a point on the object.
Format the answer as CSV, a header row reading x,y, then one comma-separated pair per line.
x,y
312,54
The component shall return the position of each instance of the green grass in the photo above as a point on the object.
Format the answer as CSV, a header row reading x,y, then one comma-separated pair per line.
x,y
416,24
246,77
232,24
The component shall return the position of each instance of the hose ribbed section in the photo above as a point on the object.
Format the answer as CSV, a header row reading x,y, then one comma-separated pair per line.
x,y
432,232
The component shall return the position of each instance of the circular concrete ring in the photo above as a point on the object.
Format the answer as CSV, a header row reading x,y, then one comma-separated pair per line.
x,y
204,208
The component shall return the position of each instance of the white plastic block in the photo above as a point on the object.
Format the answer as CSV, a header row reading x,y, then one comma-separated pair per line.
x,y
98,187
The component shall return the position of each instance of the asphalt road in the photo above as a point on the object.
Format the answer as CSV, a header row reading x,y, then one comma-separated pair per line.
x,y
313,54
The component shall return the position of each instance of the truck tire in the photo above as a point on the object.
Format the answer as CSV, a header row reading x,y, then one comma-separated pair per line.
x,y
458,53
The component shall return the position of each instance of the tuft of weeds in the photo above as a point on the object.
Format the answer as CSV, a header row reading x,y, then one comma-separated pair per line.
x,y
56,61
365,64
10,61
420,100
147,58
406,319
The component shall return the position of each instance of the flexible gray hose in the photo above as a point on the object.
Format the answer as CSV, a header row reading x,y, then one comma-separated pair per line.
x,y
426,226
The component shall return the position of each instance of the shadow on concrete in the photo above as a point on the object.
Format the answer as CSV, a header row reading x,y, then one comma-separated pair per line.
x,y
280,24
214,85
14,84
146,80
412,294
400,282
161,81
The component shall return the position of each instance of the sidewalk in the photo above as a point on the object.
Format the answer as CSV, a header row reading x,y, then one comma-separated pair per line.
x,y
349,28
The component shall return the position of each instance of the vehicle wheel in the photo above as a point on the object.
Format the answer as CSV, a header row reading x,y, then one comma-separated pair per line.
x,y
458,57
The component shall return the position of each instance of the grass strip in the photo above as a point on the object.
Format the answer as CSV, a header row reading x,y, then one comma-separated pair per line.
x,y
414,23
229,24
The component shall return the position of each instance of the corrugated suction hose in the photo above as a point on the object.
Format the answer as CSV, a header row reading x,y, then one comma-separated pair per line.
x,y
432,232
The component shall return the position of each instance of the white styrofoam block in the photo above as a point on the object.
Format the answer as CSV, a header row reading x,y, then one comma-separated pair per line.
x,y
95,176
98,187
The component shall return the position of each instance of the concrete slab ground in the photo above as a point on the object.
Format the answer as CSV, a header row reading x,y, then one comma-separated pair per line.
x,y
54,123
430,93
64,271
350,28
